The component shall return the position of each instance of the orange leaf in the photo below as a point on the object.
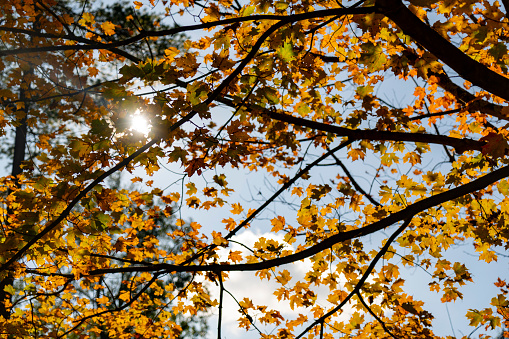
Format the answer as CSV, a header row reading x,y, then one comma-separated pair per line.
x,y
108,28
236,208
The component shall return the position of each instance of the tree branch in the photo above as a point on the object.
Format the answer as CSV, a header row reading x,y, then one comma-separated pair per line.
x,y
354,182
470,101
460,145
467,99
362,279
283,188
220,316
374,315
93,45
466,67
436,114
404,214
118,309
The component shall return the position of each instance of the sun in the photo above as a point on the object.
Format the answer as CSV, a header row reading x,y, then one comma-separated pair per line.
x,y
139,123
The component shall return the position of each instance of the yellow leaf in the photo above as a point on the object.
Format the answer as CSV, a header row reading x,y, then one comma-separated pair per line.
x,y
230,224
278,224
237,208
218,239
235,256
284,277
191,188
356,153
137,4
108,28
87,19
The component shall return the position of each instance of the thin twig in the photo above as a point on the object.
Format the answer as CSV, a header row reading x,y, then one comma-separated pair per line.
x,y
354,182
362,279
375,316
220,317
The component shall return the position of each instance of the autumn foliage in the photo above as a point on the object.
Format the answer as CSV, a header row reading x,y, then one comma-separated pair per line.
x,y
379,128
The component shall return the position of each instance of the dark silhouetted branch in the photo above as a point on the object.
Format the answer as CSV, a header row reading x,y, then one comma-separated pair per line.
x,y
374,315
469,69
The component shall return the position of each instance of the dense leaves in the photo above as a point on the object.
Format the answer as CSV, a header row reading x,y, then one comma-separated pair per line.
x,y
375,131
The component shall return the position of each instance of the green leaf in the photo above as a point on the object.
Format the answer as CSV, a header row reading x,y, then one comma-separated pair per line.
x,y
373,57
78,147
247,11
498,50
480,35
494,322
42,182
178,154
281,5
197,92
475,317
363,91
100,221
113,90
271,95
10,289
102,145
131,71
500,301
286,52
303,109
101,128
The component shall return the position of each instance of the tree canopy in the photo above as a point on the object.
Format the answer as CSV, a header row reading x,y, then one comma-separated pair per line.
x,y
379,128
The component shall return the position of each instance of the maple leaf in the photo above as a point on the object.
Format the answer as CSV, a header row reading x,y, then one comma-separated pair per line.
x,y
278,224
87,19
194,166
235,256
286,52
495,146
108,28
373,56
236,208
93,71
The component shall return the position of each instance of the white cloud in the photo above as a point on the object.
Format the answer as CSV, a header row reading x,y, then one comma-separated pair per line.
x,y
247,284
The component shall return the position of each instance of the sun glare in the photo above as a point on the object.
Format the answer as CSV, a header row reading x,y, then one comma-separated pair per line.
x,y
139,123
